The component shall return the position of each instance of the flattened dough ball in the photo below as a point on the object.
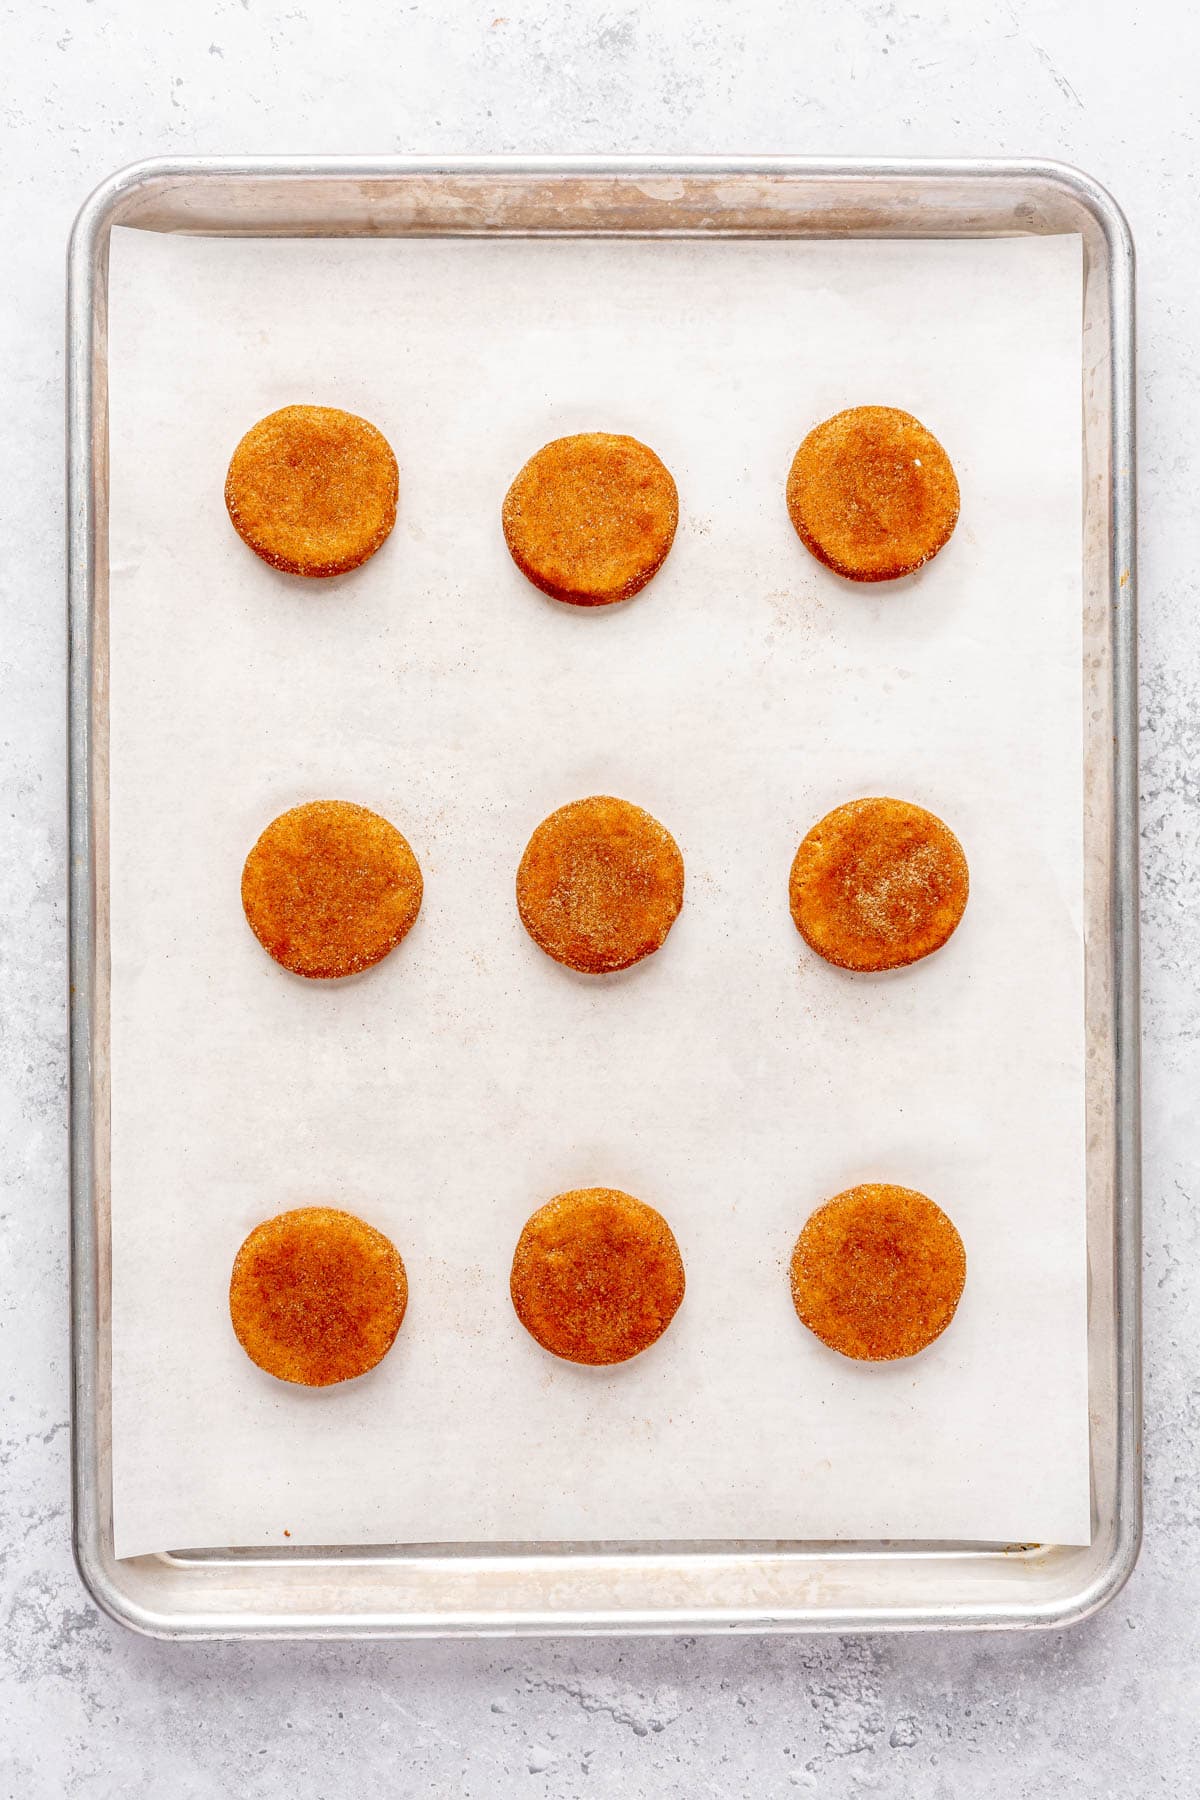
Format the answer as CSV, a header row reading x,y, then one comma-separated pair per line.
x,y
330,888
877,1272
600,884
872,493
591,518
317,1296
313,490
877,884
597,1276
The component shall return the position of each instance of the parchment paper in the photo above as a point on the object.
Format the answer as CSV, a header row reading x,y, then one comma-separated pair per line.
x,y
733,1080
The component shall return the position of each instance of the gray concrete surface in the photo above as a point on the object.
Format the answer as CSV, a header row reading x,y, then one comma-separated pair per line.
x,y
85,1710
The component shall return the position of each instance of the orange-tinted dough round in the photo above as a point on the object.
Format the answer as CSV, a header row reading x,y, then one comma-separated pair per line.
x,y
877,884
600,884
317,1296
591,518
313,490
330,888
877,1272
596,1276
872,493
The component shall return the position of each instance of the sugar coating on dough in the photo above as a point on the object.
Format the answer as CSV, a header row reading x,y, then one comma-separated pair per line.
x,y
600,884
590,518
872,494
330,888
597,1276
877,884
317,1296
877,1272
313,490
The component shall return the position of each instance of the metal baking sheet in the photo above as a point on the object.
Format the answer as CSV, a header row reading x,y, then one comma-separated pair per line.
x,y
637,1586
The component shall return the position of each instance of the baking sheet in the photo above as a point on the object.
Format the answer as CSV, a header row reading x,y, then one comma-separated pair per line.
x,y
733,1080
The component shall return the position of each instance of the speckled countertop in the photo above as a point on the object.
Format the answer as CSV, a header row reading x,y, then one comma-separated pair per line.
x,y
86,1709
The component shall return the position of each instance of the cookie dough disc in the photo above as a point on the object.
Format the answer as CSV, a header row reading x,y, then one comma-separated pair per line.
x,y
872,493
591,518
600,884
877,1272
317,1296
330,888
877,884
313,490
596,1276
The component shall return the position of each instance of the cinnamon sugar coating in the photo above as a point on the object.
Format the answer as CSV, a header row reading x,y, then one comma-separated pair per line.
x,y
330,888
877,1272
877,884
596,1276
872,493
600,884
313,490
317,1296
591,518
